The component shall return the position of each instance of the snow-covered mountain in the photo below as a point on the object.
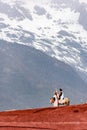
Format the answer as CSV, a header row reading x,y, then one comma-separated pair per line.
x,y
58,29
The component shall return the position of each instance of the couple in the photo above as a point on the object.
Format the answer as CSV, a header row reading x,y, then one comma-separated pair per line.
x,y
58,96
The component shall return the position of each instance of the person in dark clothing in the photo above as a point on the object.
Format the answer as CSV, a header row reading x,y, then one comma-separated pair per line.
x,y
61,94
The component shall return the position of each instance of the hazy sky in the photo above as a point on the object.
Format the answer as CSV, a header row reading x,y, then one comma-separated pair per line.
x,y
85,1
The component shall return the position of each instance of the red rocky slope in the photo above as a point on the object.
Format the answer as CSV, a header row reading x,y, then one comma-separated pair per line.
x,y
53,118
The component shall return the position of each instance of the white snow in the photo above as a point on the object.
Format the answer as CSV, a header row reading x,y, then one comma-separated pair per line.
x,y
83,1
48,28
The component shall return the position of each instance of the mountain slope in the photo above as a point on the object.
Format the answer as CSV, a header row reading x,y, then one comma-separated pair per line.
x,y
43,46
28,78
55,27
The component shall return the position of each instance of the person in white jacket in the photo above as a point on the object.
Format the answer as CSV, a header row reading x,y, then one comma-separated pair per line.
x,y
55,104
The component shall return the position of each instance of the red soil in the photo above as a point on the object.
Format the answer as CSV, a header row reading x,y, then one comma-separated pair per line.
x,y
53,118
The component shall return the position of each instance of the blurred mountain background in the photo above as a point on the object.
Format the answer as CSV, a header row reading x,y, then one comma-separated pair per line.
x,y
43,47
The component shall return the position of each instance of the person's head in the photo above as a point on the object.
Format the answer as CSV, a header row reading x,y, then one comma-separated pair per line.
x,y
60,90
56,92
